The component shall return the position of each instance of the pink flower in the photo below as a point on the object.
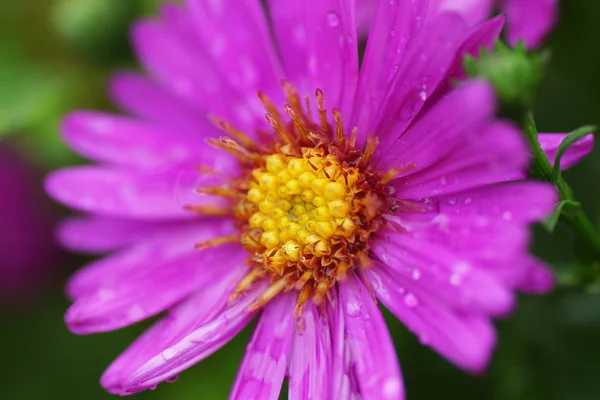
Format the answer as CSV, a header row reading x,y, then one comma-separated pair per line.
x,y
392,184
26,241
528,20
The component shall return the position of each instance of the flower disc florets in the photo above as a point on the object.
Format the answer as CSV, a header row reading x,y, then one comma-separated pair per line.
x,y
307,202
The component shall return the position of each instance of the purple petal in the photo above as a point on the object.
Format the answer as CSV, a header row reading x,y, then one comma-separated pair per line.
x,y
537,277
196,311
372,349
265,363
443,274
100,235
473,11
365,11
494,154
344,385
181,66
530,20
145,99
126,142
476,238
310,364
467,340
438,132
575,153
396,26
424,67
485,36
157,247
236,35
515,201
194,346
158,287
117,192
318,44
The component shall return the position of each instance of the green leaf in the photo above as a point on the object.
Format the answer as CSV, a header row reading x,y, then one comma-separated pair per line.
x,y
550,223
567,142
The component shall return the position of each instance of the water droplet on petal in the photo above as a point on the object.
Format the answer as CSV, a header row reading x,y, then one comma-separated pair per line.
x,y
332,19
172,379
416,274
424,338
507,216
443,181
455,279
410,300
167,354
468,200
452,201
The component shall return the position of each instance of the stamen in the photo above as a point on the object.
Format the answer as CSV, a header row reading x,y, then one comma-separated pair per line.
x,y
292,96
322,112
209,210
370,147
280,130
393,173
296,121
270,107
219,191
268,295
339,127
234,132
217,241
233,148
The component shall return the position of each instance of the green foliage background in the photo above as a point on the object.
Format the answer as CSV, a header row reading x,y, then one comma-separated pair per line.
x,y
56,54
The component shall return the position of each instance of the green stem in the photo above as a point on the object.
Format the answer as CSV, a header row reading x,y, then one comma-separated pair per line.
x,y
542,168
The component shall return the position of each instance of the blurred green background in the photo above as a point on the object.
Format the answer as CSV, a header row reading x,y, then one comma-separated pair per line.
x,y
55,55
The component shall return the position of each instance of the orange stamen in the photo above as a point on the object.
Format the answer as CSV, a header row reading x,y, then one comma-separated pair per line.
x,y
217,241
268,294
209,210
234,132
322,112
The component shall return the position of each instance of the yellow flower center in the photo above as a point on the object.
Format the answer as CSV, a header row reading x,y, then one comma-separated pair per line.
x,y
305,204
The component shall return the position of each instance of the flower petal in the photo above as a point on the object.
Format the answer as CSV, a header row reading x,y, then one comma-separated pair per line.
x,y
157,288
318,45
145,99
117,192
123,141
194,346
530,20
395,28
372,350
237,36
196,311
467,340
438,132
494,154
344,385
157,247
265,363
310,363
443,274
474,11
482,36
99,235
182,67
425,65
514,201
551,141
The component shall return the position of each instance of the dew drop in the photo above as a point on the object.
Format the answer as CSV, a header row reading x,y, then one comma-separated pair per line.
x,y
167,354
507,216
172,379
416,274
455,279
443,181
332,19
392,33
424,338
468,200
410,300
